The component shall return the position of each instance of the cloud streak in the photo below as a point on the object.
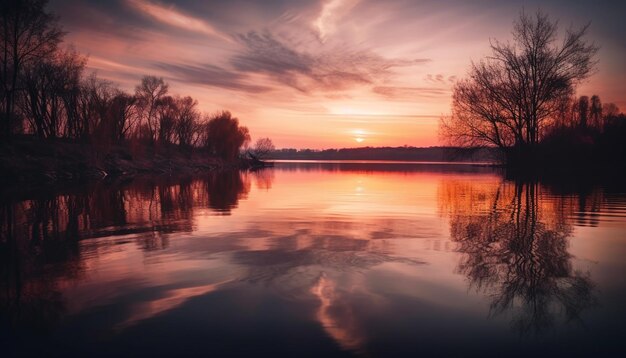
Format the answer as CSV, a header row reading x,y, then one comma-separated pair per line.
x,y
407,93
331,13
325,70
171,16
440,79
211,75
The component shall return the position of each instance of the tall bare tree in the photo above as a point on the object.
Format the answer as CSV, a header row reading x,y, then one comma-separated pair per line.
x,y
595,112
149,94
28,34
582,111
49,86
167,114
122,115
510,97
262,148
187,122
93,106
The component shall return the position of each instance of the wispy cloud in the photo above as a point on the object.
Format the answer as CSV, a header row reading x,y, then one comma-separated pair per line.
x,y
335,69
331,13
440,79
211,75
407,93
171,16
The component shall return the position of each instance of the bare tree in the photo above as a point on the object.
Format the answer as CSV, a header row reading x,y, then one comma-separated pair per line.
x,y
95,100
262,148
564,116
49,87
610,110
582,111
611,115
595,112
509,98
167,114
187,121
111,113
122,115
148,94
28,34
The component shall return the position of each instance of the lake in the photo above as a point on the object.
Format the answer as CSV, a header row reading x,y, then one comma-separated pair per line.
x,y
316,259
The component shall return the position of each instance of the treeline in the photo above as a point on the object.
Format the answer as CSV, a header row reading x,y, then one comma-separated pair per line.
x,y
585,131
46,92
405,153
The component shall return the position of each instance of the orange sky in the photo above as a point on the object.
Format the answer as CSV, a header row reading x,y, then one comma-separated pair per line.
x,y
325,73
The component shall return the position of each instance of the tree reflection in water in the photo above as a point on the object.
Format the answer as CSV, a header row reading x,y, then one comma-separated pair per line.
x,y
515,249
226,189
40,235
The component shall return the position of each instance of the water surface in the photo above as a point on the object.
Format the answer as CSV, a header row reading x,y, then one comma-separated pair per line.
x,y
316,259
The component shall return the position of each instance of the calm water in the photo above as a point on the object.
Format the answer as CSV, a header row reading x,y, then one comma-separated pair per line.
x,y
316,259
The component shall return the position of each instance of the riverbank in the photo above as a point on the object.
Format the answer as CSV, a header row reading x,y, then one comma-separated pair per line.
x,y
29,160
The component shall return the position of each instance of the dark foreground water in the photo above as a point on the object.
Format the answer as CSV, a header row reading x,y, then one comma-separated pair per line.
x,y
316,259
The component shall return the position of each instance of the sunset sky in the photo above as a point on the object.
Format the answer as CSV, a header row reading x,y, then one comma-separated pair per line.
x,y
324,73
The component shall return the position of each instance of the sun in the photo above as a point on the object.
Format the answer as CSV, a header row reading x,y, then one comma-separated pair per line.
x,y
358,135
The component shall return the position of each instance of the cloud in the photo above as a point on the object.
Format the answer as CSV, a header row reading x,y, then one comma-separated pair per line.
x,y
407,93
210,75
439,79
332,11
81,17
334,69
172,17
262,53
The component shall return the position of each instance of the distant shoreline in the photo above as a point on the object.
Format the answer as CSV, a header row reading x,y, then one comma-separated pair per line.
x,y
403,153
385,161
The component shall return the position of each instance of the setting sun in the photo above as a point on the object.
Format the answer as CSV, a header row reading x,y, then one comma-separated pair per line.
x,y
359,135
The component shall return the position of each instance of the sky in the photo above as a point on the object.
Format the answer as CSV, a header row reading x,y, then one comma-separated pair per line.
x,y
324,73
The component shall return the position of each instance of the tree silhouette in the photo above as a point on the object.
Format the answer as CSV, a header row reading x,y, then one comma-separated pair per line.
x,y
509,98
122,115
595,112
582,110
186,125
45,93
149,94
27,34
224,136
262,148
50,86
167,113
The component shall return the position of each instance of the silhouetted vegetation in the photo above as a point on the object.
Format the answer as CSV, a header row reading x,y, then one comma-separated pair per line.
x,y
262,148
520,99
586,133
47,94
224,136
405,153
